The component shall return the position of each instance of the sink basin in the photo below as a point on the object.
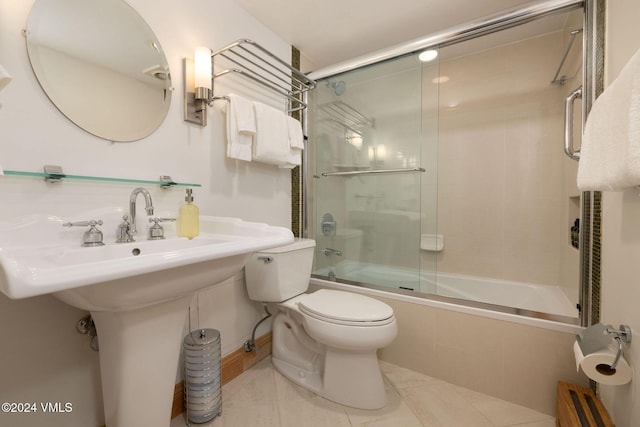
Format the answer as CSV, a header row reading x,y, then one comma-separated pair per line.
x,y
138,293
38,256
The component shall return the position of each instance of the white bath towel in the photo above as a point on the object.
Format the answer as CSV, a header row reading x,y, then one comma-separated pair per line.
x,y
241,128
610,152
272,135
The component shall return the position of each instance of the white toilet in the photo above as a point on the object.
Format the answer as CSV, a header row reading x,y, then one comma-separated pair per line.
x,y
325,341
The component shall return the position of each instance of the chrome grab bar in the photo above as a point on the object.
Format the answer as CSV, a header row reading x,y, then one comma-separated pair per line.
x,y
372,171
568,124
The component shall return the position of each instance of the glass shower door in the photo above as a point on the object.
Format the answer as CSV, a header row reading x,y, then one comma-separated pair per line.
x,y
366,142
508,204
448,178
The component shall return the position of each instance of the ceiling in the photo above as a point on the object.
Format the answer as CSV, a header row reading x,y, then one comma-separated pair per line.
x,y
331,31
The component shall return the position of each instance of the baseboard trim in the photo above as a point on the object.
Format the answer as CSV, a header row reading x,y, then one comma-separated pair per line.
x,y
231,366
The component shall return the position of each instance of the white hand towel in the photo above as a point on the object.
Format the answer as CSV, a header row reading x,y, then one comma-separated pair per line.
x,y
272,135
241,128
245,117
296,143
610,152
296,138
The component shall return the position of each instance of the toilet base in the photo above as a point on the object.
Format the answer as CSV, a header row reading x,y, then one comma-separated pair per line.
x,y
348,377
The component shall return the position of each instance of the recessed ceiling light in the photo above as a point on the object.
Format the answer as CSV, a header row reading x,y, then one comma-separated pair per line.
x,y
428,55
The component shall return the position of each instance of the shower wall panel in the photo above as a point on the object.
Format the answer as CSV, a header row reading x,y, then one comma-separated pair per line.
x,y
500,162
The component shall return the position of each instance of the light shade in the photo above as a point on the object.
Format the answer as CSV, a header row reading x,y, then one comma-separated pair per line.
x,y
202,67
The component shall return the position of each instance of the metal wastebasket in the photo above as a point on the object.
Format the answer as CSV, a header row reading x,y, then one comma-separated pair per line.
x,y
202,386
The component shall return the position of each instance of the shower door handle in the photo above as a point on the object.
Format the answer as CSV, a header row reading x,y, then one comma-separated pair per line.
x,y
568,124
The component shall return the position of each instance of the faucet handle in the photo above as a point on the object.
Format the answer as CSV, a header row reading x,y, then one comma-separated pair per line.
x,y
90,223
91,237
157,220
156,232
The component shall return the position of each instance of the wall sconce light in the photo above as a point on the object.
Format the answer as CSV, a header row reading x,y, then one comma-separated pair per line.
x,y
197,86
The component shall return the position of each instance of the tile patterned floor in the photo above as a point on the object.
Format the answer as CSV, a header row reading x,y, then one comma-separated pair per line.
x,y
263,397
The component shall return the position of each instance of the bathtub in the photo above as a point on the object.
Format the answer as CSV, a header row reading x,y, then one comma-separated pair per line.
x,y
486,347
502,295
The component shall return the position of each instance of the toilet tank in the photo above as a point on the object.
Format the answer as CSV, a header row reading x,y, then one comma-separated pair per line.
x,y
280,273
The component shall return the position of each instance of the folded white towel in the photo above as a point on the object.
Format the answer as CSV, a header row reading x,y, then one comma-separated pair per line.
x,y
272,135
296,138
610,151
241,128
293,159
245,117
296,143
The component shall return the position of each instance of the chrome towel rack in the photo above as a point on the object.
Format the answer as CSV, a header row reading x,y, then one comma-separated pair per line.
x,y
248,59
346,116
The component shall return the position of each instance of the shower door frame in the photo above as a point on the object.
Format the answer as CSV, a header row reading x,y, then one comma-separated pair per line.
x,y
593,76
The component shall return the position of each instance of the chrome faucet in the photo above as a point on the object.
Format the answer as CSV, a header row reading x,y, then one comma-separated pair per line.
x,y
132,207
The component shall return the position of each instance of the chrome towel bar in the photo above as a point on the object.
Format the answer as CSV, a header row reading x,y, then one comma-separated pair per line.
x,y
372,171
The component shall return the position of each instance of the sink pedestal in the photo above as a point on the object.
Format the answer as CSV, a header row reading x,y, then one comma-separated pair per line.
x,y
139,354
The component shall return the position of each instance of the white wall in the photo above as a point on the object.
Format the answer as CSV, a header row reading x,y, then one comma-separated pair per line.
x,y
42,358
621,229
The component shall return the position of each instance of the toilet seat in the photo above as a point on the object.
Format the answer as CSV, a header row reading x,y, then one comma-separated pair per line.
x,y
345,308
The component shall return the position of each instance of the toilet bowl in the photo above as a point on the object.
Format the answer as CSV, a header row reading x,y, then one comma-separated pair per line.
x,y
324,341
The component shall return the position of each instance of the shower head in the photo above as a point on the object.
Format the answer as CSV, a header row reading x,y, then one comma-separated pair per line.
x,y
339,87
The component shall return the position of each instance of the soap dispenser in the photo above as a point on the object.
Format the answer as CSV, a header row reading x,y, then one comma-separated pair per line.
x,y
188,218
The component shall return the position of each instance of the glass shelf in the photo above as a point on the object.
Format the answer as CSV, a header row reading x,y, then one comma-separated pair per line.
x,y
164,181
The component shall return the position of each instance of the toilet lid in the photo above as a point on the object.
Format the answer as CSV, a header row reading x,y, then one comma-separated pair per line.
x,y
343,306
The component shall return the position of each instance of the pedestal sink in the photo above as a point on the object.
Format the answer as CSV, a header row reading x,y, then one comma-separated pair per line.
x,y
137,293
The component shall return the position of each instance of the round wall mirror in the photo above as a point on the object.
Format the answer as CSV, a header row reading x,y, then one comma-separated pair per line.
x,y
101,66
